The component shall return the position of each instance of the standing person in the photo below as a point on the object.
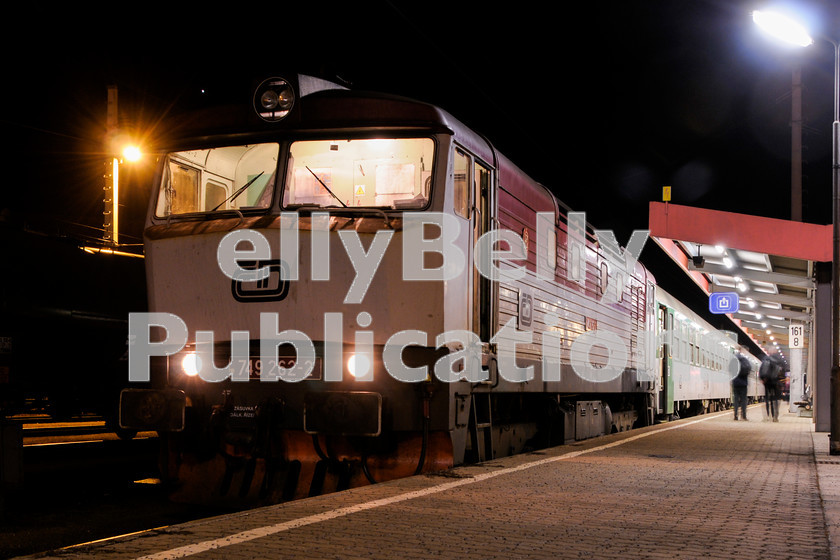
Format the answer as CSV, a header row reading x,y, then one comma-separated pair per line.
x,y
739,385
770,374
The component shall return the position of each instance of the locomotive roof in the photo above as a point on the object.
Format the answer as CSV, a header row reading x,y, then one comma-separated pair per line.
x,y
339,108
325,109
332,109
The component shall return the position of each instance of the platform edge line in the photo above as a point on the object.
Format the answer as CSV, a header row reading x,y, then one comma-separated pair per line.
x,y
252,534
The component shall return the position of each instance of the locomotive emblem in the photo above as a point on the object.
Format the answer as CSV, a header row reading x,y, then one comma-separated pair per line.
x,y
274,287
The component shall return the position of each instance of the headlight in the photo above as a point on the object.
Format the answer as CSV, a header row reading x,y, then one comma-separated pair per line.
x,y
273,99
191,364
359,366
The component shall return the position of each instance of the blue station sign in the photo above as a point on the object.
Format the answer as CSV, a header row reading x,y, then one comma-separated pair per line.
x,y
723,302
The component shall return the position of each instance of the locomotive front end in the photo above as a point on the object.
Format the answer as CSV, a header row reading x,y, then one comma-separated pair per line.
x,y
280,264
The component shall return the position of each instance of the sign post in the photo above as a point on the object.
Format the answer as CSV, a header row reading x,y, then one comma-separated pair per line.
x,y
796,342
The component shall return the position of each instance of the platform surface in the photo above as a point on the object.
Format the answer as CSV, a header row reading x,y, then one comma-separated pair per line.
x,y
707,487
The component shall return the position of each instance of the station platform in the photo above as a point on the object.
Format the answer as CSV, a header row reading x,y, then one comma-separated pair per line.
x,y
703,487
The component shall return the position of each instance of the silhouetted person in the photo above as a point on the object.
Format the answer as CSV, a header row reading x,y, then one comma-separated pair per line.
x,y
770,374
739,385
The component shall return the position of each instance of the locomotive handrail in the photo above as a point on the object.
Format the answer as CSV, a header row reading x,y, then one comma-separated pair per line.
x,y
385,217
241,218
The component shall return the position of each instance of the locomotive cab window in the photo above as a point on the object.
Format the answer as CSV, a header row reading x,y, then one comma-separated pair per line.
x,y
392,173
461,184
218,179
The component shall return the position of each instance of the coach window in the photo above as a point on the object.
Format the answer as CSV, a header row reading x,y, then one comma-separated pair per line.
x,y
693,348
461,184
677,341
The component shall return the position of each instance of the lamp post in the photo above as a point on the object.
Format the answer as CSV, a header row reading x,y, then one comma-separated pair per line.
x,y
834,448
787,30
112,172
112,169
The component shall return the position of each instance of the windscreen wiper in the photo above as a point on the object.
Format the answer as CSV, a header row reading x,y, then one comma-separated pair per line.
x,y
238,192
325,186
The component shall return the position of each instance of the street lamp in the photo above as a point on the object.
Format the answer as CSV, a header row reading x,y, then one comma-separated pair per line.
x,y
132,153
783,28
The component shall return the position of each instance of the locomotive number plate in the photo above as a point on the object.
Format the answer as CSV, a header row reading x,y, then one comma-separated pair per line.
x,y
275,367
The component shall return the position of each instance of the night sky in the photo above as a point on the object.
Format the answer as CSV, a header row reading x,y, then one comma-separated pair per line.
x,y
604,102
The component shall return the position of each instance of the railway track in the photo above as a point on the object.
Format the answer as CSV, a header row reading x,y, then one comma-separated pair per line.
x,y
81,482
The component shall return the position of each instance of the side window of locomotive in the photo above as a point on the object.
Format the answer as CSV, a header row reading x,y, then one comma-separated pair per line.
x,y
218,179
214,194
461,184
550,243
605,278
182,195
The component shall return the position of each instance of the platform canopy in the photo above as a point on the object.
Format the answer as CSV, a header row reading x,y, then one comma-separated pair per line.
x,y
768,262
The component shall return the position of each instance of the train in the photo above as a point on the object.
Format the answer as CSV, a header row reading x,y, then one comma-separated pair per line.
x,y
347,287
